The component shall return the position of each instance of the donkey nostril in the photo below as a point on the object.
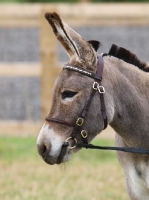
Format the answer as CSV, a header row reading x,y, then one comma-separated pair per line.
x,y
44,148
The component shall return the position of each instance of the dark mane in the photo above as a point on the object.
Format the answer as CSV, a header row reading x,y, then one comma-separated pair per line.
x,y
127,56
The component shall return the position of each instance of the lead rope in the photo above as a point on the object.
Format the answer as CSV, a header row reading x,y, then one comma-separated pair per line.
x,y
124,149
91,146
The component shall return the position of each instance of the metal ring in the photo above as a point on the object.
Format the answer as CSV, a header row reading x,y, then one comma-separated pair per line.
x,y
69,138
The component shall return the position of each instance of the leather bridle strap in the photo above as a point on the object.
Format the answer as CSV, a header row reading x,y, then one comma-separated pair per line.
x,y
96,76
102,102
84,133
96,87
58,121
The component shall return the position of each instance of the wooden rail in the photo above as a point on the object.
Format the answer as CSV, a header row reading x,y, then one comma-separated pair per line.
x,y
20,69
19,15
76,14
22,128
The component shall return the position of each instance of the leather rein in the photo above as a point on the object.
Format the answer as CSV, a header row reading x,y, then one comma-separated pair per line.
x,y
97,86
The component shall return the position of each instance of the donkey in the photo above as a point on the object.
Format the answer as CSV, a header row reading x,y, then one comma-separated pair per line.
x,y
126,83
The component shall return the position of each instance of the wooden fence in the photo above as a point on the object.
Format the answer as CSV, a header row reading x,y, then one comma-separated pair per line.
x,y
27,15
76,14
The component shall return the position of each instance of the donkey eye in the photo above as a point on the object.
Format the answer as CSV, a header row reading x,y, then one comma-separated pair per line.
x,y
68,94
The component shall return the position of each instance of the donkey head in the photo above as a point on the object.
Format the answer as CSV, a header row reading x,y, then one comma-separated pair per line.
x,y
70,94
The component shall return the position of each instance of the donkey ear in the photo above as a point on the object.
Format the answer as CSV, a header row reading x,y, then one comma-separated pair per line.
x,y
62,31
95,44
77,48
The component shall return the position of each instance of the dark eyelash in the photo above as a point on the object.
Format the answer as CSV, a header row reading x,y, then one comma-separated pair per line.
x,y
68,94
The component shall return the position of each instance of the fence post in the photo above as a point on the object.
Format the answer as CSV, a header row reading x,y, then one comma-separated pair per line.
x,y
48,56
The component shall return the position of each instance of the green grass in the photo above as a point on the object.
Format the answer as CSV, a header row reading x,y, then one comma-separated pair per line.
x,y
17,148
90,175
97,156
21,148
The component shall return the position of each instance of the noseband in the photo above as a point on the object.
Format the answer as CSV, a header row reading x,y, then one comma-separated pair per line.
x,y
81,119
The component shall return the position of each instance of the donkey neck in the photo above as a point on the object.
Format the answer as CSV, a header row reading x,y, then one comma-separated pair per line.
x,y
129,89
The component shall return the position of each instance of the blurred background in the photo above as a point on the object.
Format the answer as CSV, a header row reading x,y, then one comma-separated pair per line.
x,y
30,59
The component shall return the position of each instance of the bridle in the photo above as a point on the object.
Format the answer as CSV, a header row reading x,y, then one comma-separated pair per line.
x,y
97,86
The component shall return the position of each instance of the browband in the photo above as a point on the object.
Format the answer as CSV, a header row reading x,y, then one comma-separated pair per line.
x,y
83,71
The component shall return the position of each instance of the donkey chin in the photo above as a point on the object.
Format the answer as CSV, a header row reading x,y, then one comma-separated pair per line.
x,y
49,145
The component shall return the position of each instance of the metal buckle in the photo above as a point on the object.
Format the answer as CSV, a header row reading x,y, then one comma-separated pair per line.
x,y
95,85
101,89
98,87
80,121
75,140
84,133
